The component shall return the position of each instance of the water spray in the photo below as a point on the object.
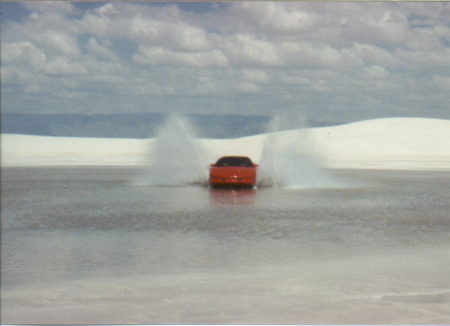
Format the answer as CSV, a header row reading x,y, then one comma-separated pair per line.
x,y
290,160
175,156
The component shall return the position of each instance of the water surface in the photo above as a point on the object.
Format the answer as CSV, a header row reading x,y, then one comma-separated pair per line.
x,y
89,245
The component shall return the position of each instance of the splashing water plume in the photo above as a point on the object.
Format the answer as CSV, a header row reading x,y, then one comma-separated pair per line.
x,y
289,160
175,157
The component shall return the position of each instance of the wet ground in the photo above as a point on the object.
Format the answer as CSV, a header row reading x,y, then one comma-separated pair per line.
x,y
87,245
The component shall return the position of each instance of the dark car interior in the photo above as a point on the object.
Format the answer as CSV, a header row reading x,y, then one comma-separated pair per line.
x,y
234,161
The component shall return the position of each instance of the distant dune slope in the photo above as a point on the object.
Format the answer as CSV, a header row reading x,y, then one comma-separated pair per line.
x,y
397,143
393,143
43,150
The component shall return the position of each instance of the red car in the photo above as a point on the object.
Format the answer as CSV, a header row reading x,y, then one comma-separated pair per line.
x,y
233,171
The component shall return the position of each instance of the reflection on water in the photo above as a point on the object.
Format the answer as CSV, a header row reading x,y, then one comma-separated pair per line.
x,y
232,197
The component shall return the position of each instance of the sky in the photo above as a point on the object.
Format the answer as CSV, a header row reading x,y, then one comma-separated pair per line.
x,y
335,62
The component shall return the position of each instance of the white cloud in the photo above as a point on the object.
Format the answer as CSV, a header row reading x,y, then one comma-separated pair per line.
x,y
376,72
33,58
58,43
246,87
442,82
248,50
256,76
183,37
370,54
65,67
294,80
159,27
423,39
100,50
106,10
160,56
51,7
423,60
25,52
208,85
104,27
33,89
442,32
391,28
273,16
293,55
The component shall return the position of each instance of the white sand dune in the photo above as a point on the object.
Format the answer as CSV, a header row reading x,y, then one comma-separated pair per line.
x,y
24,150
391,143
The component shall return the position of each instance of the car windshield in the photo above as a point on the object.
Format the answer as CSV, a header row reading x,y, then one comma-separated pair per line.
x,y
234,161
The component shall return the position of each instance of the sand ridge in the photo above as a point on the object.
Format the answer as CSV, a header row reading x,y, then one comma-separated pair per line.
x,y
389,143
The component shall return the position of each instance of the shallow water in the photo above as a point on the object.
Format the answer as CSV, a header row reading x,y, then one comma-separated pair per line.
x,y
87,245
